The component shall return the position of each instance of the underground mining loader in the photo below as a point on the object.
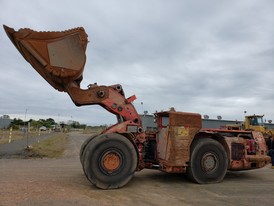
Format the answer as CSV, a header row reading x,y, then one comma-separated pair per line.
x,y
110,159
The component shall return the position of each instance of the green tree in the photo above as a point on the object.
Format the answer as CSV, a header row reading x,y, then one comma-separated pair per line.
x,y
35,124
16,123
49,122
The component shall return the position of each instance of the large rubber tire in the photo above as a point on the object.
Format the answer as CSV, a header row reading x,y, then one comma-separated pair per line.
x,y
83,147
208,162
110,161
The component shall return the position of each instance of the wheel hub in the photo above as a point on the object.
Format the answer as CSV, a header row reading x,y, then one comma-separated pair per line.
x,y
111,161
209,162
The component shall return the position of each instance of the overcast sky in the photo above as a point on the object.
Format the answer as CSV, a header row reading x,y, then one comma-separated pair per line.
x,y
210,57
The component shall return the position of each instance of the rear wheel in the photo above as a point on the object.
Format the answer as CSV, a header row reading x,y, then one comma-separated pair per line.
x,y
109,161
208,162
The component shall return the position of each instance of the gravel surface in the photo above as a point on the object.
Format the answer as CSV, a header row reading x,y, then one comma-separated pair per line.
x,y
40,182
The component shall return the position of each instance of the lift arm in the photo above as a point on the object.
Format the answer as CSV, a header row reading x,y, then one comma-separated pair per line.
x,y
59,57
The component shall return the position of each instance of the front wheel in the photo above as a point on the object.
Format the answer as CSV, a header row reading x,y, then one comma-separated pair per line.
x,y
110,161
208,162
83,147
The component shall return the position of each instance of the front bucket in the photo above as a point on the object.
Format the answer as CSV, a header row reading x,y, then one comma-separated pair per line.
x,y
59,57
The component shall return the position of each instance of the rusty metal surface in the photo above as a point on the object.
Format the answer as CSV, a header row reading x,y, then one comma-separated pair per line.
x,y
185,119
246,149
260,141
247,153
59,56
173,141
224,130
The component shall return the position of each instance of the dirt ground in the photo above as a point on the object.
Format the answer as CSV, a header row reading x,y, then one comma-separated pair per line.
x,y
25,182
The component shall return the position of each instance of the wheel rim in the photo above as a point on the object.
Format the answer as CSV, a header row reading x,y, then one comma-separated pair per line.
x,y
111,161
209,163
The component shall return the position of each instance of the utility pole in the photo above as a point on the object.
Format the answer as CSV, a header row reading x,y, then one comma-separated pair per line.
x,y
26,130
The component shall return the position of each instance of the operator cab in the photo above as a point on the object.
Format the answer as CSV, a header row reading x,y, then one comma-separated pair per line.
x,y
255,122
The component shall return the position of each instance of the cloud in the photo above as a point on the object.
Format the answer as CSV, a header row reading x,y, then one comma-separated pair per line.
x,y
212,57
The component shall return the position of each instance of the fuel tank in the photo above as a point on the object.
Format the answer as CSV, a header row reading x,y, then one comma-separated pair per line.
x,y
58,56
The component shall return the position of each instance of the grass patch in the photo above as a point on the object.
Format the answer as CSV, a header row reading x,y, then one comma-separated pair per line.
x,y
53,147
94,130
17,135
